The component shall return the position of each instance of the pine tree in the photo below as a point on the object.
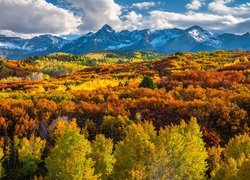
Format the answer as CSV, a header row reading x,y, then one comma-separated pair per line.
x,y
147,82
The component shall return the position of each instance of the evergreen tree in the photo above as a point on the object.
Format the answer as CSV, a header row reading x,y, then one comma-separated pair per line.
x,y
147,82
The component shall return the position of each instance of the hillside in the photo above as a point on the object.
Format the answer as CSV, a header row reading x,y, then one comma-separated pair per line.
x,y
41,95
224,72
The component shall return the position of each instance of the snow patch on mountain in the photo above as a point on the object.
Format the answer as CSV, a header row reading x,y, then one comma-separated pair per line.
x,y
54,40
165,41
159,41
199,37
119,46
8,45
41,49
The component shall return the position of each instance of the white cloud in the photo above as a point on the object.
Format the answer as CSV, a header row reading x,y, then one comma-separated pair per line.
x,y
96,13
35,17
31,17
144,5
133,21
221,7
109,12
239,28
163,19
10,33
195,4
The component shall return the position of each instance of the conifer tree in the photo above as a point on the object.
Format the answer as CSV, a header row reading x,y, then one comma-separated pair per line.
x,y
147,82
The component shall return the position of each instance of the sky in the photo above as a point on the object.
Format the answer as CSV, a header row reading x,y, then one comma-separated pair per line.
x,y
27,18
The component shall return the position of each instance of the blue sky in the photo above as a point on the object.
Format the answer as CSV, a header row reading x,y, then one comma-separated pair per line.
x,y
60,17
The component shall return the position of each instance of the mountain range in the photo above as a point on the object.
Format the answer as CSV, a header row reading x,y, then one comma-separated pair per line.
x,y
166,41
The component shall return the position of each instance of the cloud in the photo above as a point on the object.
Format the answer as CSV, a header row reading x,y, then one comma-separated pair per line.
x,y
32,17
162,19
133,21
10,33
144,5
96,13
239,28
35,17
221,7
109,12
195,4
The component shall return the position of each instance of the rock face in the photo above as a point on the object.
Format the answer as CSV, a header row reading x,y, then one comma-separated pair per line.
x,y
165,41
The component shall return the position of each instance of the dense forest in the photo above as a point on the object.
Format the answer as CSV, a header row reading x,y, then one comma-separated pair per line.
x,y
126,115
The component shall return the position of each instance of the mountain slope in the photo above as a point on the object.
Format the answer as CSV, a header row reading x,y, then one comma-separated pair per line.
x,y
18,48
165,41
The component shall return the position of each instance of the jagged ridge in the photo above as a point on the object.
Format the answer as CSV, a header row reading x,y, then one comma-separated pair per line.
x,y
165,41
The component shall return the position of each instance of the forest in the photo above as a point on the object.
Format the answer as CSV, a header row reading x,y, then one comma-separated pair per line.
x,y
126,115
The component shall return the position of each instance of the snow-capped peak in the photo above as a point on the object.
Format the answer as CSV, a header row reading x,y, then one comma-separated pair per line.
x,y
162,40
198,36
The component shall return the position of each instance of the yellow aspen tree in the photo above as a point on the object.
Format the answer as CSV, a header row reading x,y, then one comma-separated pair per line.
x,y
102,154
136,153
185,150
69,159
236,161
1,161
29,153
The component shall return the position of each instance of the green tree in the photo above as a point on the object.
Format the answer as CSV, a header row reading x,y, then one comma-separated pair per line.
x,y
238,146
1,161
103,156
114,127
231,169
29,152
214,158
147,82
244,171
136,153
138,55
185,150
236,161
178,152
69,159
